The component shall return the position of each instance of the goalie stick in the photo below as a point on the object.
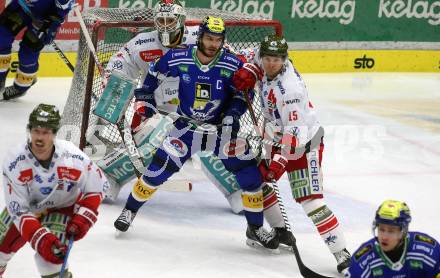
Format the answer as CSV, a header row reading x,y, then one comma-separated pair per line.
x,y
125,129
303,269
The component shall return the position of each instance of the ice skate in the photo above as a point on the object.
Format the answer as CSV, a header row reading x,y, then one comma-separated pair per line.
x,y
124,220
12,92
343,258
258,237
285,237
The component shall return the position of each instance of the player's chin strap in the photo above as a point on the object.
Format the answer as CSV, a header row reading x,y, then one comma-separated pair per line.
x,y
303,269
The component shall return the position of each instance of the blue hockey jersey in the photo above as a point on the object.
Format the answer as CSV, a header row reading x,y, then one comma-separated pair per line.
x,y
421,258
206,92
41,9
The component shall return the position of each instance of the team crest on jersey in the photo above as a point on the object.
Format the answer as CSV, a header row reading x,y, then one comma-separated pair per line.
x,y
175,147
67,173
186,78
150,55
25,175
203,95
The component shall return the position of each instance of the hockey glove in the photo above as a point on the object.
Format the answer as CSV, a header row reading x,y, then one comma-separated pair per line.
x,y
245,78
48,246
230,126
145,105
275,170
48,30
81,223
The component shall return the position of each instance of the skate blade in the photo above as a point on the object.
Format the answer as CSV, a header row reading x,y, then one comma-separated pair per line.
x,y
285,247
119,234
258,246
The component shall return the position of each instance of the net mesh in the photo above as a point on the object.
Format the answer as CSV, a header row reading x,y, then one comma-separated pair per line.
x,y
110,29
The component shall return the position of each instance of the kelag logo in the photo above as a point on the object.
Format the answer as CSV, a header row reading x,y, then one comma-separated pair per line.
x,y
363,63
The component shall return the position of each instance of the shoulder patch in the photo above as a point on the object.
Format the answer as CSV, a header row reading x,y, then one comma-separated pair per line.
x,y
359,254
424,239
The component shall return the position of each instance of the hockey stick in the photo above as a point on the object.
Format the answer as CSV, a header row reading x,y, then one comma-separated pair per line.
x,y
69,247
259,139
58,50
124,127
303,269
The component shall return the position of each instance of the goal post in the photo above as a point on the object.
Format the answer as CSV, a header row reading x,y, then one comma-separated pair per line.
x,y
110,29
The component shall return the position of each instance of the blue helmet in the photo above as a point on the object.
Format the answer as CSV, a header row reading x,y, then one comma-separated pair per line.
x,y
394,213
211,25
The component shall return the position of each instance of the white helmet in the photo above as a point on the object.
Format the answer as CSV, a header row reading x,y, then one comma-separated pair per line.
x,y
169,20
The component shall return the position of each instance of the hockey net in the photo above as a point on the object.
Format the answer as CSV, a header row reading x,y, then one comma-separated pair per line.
x,y
110,29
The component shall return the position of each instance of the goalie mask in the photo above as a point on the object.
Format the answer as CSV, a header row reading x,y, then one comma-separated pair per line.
x,y
45,116
393,213
274,45
169,20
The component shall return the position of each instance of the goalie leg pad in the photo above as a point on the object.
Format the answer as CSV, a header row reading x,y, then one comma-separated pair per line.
x,y
326,223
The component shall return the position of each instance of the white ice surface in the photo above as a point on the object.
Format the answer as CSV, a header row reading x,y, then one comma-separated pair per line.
x,y
368,158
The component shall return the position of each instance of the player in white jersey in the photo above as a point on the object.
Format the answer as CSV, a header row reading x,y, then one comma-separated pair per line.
x,y
52,193
291,119
134,58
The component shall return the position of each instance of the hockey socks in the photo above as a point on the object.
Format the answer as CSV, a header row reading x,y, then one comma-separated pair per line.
x,y
253,207
140,193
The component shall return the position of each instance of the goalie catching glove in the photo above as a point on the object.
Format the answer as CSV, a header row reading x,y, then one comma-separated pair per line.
x,y
245,78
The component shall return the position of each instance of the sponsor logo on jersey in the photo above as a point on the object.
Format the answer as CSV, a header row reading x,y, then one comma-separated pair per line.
x,y
25,175
15,162
171,92
67,173
280,86
377,271
415,264
367,249
118,65
232,59
225,73
150,55
74,156
38,178
14,207
186,78
183,68
142,41
331,239
203,77
424,239
178,53
202,95
175,147
291,101
46,190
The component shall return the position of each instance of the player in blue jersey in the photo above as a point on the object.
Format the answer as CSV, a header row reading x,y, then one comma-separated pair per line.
x,y
394,251
206,95
41,20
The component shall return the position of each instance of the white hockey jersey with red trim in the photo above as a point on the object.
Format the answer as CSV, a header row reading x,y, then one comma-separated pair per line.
x,y
286,104
135,56
31,189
